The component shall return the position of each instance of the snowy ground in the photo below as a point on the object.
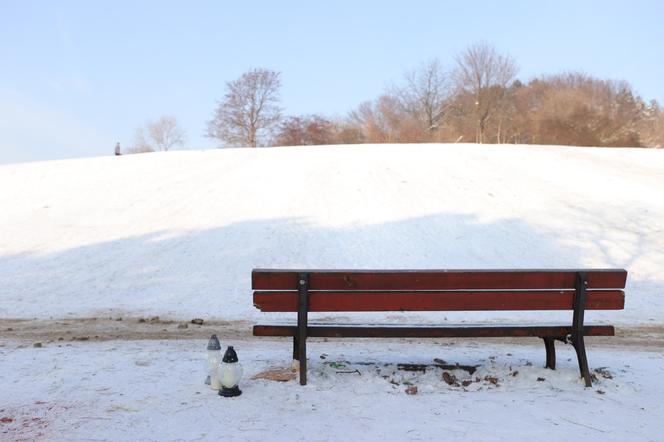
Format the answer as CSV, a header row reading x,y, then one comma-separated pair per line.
x,y
152,390
176,234
88,247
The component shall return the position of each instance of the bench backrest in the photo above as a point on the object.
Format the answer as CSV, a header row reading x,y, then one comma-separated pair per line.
x,y
437,290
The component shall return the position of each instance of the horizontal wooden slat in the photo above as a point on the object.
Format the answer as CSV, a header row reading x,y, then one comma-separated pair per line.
x,y
328,301
437,279
384,331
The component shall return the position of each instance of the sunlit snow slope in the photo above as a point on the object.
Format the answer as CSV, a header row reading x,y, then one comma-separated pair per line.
x,y
177,234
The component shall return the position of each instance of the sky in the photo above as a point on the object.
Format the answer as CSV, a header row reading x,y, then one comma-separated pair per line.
x,y
78,76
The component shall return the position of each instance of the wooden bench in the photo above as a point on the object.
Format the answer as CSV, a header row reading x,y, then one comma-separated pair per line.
x,y
305,291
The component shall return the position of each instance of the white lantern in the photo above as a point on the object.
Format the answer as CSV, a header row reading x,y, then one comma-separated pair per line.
x,y
230,373
213,358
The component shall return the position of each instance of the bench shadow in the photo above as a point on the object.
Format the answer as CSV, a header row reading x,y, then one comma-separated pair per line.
x,y
206,273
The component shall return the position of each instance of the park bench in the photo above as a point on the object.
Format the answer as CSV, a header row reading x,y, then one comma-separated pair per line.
x,y
305,291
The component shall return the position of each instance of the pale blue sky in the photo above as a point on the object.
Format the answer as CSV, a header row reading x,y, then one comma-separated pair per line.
x,y
77,76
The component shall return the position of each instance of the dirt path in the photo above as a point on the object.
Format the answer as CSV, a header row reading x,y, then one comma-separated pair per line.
x,y
31,331
120,328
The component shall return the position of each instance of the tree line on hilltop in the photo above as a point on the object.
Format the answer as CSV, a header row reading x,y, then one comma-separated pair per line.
x,y
478,100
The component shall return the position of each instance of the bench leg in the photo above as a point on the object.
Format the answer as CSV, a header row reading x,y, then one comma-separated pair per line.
x,y
580,348
303,361
296,353
300,355
302,321
549,344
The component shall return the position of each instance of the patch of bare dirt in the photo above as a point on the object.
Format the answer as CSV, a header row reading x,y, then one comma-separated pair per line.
x,y
43,331
279,374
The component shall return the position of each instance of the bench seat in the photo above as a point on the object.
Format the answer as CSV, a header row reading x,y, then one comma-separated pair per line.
x,y
340,330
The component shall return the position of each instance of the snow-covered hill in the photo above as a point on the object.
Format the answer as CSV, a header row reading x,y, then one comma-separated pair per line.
x,y
177,234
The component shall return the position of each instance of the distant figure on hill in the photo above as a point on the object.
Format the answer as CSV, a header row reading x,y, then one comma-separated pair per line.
x,y
117,149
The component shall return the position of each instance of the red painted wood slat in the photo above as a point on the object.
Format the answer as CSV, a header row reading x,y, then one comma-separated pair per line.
x,y
438,279
329,301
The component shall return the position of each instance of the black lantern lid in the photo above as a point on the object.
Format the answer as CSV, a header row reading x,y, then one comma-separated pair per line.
x,y
213,343
230,355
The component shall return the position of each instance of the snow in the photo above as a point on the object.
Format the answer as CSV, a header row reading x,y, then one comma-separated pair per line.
x,y
176,234
153,390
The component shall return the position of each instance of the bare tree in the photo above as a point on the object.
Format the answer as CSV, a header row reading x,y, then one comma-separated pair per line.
x,y
250,109
165,133
426,95
484,74
651,126
384,120
307,130
141,144
577,109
